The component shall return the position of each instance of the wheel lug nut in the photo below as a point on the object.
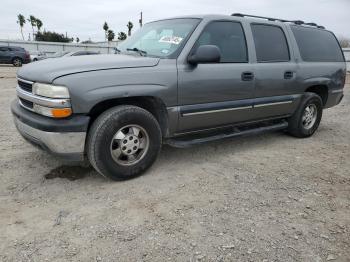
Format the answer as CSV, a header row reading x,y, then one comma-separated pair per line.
x,y
135,147
129,151
135,141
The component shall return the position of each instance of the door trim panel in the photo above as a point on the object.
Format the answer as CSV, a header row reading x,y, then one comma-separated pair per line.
x,y
216,107
217,111
208,108
273,103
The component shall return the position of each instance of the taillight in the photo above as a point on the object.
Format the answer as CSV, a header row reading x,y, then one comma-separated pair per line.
x,y
27,54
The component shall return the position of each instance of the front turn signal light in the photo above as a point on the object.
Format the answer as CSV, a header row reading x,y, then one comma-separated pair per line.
x,y
61,112
53,112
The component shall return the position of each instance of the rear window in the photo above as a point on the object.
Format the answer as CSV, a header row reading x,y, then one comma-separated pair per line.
x,y
270,43
316,45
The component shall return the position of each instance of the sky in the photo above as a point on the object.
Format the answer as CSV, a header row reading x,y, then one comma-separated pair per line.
x,y
84,19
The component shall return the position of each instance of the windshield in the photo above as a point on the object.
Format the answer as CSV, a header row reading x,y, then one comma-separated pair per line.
x,y
160,39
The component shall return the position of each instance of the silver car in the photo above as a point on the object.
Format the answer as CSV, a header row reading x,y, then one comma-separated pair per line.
x,y
37,55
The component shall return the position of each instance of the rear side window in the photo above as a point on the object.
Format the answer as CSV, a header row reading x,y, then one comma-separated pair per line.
x,y
316,45
270,43
228,37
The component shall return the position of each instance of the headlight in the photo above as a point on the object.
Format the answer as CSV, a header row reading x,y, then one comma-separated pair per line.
x,y
51,91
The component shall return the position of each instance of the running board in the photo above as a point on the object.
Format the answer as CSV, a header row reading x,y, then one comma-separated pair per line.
x,y
182,143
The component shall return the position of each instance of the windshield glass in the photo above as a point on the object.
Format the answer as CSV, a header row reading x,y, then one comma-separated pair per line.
x,y
161,38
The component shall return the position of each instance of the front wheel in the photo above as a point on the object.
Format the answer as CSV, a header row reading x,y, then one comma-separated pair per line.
x,y
307,117
123,142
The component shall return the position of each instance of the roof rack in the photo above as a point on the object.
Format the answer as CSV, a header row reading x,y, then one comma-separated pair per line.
x,y
297,22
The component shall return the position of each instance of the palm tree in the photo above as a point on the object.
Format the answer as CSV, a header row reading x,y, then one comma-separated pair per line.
x,y
21,21
129,26
121,36
38,23
32,21
105,28
110,35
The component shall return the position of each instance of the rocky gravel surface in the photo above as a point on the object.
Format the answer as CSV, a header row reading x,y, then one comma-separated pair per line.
x,y
270,197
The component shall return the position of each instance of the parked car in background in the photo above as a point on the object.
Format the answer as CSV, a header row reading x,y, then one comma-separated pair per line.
x,y
37,55
79,53
74,53
14,55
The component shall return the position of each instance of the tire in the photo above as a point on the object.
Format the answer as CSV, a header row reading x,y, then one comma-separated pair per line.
x,y
298,126
17,62
103,142
35,59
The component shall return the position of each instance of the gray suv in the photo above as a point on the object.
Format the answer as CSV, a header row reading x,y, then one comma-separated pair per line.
x,y
14,55
181,81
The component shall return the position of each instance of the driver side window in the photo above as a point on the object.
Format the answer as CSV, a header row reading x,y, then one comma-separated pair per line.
x,y
228,37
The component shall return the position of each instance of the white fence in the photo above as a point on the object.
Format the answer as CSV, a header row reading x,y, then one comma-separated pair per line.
x,y
52,47
347,57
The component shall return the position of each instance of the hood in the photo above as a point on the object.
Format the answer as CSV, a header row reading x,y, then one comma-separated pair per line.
x,y
47,70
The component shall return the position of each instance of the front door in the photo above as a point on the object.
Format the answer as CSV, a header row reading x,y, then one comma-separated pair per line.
x,y
217,94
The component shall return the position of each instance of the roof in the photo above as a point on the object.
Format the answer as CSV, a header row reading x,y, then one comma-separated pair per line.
x,y
245,17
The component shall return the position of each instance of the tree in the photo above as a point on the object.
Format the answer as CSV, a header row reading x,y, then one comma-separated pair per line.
x,y
32,21
129,26
122,36
38,23
110,35
21,21
344,42
105,28
77,39
48,36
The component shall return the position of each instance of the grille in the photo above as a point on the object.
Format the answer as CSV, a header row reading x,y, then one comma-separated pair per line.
x,y
26,103
25,86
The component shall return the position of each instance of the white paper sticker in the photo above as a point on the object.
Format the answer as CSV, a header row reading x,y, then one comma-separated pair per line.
x,y
171,40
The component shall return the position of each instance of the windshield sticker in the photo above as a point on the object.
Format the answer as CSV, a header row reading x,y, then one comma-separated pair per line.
x,y
170,40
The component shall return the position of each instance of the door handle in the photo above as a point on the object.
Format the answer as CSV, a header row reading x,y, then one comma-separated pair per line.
x,y
247,76
288,75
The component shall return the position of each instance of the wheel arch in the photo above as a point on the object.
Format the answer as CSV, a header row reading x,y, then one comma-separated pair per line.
x,y
319,89
154,105
13,58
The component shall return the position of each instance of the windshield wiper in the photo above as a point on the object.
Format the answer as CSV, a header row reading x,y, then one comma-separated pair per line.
x,y
141,52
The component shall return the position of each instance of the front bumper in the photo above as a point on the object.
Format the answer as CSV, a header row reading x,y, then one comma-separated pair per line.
x,y
61,137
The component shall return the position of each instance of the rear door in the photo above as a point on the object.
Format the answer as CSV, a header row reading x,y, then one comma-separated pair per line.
x,y
217,94
275,72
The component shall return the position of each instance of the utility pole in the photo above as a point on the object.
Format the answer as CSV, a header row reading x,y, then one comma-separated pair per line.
x,y
140,21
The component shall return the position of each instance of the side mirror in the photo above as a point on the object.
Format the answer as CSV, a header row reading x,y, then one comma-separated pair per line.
x,y
205,54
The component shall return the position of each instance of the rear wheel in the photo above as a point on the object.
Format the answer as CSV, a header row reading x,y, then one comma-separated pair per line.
x,y
123,142
17,61
307,118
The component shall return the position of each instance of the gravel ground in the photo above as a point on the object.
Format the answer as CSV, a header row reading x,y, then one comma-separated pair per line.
x,y
265,198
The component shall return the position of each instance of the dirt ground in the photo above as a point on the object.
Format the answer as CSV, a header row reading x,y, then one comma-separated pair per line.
x,y
265,198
